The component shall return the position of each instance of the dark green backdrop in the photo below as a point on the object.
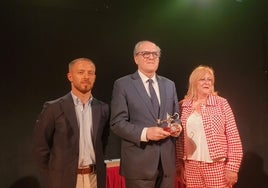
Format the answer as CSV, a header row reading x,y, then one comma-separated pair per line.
x,y
40,37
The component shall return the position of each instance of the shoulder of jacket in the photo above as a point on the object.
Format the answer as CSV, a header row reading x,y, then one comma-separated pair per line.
x,y
59,100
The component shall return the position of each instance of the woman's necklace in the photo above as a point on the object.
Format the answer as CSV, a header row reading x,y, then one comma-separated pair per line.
x,y
197,104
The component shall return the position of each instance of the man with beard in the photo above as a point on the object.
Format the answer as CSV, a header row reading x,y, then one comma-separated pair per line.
x,y
71,133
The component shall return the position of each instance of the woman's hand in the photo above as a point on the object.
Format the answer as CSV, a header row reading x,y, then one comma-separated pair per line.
x,y
231,177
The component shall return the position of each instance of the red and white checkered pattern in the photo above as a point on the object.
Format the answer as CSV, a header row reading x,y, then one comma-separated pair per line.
x,y
221,132
205,175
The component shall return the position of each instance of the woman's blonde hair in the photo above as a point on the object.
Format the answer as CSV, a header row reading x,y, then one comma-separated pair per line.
x,y
198,73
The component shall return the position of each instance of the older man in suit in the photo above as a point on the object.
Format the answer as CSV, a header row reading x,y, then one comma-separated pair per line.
x,y
71,133
147,150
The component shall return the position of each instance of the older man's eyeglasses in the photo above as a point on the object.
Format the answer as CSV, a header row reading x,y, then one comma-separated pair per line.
x,y
147,54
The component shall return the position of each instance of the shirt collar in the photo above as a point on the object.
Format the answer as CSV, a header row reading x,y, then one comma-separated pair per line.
x,y
144,78
211,101
77,100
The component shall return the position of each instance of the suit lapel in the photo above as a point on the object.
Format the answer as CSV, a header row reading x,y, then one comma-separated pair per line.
x,y
162,91
69,110
96,113
143,93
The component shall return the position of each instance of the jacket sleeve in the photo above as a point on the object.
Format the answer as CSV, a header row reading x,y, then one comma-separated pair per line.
x,y
234,145
42,137
180,143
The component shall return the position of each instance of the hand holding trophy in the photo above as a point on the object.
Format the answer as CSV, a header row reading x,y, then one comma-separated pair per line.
x,y
173,125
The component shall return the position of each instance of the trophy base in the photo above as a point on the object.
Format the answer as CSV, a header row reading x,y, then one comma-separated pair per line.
x,y
174,129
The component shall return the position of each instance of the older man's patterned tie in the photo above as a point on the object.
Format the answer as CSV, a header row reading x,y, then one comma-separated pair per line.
x,y
154,99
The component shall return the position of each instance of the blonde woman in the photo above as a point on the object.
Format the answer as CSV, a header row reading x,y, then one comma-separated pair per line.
x,y
210,147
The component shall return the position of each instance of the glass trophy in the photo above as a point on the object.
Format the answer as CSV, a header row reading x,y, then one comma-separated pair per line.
x,y
171,124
